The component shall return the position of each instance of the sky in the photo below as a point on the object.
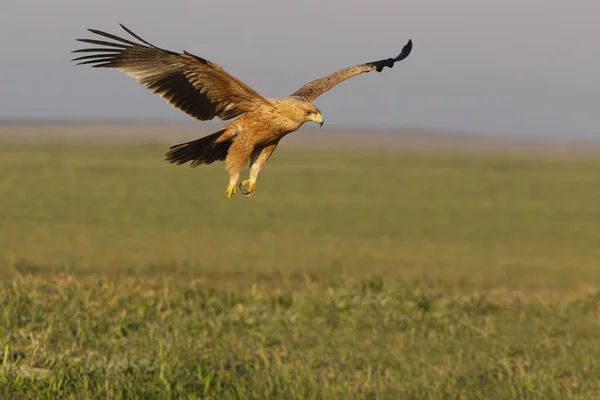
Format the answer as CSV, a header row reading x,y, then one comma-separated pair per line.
x,y
513,67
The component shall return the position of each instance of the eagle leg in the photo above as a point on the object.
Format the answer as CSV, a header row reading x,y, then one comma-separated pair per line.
x,y
247,191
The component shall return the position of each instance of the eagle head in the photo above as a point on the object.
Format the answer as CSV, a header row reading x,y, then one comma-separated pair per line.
x,y
295,112
313,114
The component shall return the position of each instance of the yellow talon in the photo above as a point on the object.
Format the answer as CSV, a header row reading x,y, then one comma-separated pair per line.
x,y
249,189
230,191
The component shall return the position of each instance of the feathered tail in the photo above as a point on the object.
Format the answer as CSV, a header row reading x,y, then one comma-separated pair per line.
x,y
199,151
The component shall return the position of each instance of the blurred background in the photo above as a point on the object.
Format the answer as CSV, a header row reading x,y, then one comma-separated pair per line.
x,y
439,237
485,82
509,68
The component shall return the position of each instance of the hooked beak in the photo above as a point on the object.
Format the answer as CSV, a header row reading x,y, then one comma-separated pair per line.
x,y
319,119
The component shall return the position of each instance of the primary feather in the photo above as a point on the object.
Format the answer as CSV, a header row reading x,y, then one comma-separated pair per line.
x,y
196,86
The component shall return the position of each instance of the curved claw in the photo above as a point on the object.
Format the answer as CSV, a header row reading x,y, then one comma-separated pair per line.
x,y
242,185
246,187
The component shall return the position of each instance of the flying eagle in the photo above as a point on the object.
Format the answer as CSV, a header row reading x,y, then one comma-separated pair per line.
x,y
204,90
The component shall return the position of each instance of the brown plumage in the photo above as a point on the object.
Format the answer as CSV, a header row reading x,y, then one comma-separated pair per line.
x,y
203,90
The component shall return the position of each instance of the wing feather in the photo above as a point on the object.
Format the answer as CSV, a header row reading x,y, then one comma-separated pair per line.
x,y
196,86
314,89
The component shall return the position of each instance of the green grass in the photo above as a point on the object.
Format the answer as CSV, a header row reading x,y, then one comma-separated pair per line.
x,y
347,275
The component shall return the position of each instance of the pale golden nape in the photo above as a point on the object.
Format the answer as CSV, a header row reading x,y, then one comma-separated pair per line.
x,y
203,90
297,111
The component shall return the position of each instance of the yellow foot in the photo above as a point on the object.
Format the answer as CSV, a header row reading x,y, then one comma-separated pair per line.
x,y
230,191
247,191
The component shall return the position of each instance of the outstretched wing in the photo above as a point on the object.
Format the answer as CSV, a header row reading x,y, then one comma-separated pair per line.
x,y
198,87
315,88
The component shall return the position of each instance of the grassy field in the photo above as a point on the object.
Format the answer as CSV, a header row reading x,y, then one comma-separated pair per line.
x,y
349,274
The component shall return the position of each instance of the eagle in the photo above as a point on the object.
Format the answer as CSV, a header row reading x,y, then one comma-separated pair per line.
x,y
203,90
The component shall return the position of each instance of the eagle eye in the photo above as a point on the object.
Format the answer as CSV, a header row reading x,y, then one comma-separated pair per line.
x,y
308,112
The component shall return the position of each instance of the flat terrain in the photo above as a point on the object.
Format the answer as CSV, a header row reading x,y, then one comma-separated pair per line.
x,y
365,272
